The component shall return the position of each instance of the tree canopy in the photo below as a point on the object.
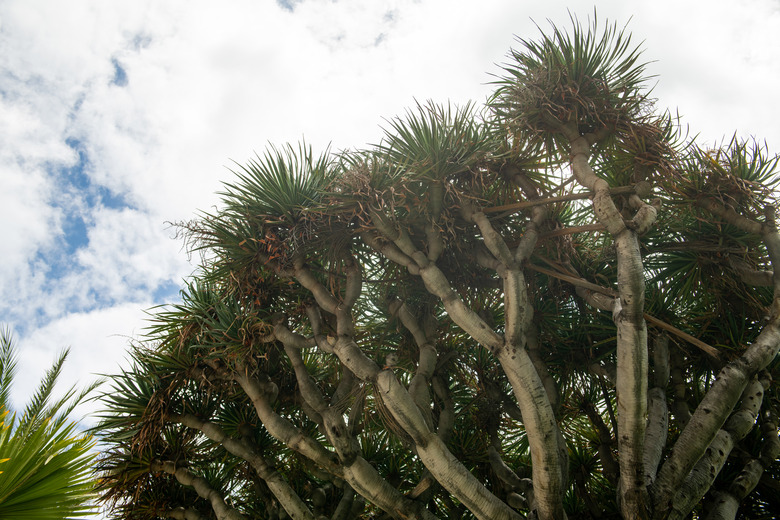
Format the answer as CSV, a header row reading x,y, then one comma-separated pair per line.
x,y
553,305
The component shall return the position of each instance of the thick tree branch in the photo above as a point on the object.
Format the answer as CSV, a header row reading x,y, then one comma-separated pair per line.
x,y
322,296
603,298
748,275
436,283
447,413
286,496
708,467
291,339
727,501
535,353
431,450
657,412
504,472
344,391
493,240
631,384
283,430
548,452
721,398
420,383
389,250
360,475
202,488
517,206
344,509
447,469
400,238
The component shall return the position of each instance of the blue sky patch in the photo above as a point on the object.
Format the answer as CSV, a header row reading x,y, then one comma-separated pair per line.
x,y
167,292
76,181
287,5
76,197
74,228
120,74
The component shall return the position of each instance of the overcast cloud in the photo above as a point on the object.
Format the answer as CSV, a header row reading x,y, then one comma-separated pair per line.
x,y
118,117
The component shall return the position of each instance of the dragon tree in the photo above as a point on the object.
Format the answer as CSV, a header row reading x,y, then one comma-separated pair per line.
x,y
553,305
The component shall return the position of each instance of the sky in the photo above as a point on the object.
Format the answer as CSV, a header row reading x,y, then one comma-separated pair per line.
x,y
118,118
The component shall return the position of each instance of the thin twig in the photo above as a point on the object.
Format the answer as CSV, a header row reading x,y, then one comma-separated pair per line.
x,y
574,280
549,200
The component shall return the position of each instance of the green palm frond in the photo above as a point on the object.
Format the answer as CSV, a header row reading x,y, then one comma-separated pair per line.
x,y
46,464
48,474
436,142
35,409
272,212
7,366
740,174
645,151
280,184
592,77
126,403
206,318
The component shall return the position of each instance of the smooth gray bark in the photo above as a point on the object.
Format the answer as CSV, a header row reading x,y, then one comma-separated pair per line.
x,y
532,397
707,468
201,487
284,431
631,384
360,475
433,453
657,410
286,496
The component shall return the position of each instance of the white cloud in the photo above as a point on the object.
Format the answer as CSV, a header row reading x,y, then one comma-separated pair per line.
x,y
717,64
125,251
97,340
27,216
